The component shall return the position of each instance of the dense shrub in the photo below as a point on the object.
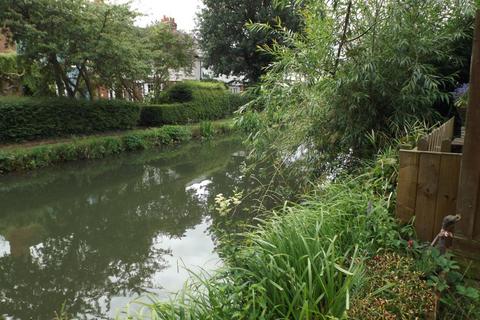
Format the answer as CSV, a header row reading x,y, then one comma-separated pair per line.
x,y
180,93
188,90
210,85
27,118
205,106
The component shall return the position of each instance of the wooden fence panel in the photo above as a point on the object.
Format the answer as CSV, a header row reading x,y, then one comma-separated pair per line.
x,y
447,187
439,139
407,185
427,190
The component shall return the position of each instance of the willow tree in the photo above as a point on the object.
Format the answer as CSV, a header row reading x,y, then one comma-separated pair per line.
x,y
359,71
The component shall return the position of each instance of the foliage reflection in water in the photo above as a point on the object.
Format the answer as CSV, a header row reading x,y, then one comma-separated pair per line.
x,y
92,236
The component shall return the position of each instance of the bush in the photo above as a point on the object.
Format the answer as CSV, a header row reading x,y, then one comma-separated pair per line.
x,y
188,90
209,85
180,93
205,106
28,119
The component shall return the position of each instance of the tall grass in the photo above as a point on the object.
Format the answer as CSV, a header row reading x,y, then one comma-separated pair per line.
x,y
305,262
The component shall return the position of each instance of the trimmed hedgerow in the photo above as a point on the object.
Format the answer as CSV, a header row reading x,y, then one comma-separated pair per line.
x,y
29,119
205,106
180,93
188,90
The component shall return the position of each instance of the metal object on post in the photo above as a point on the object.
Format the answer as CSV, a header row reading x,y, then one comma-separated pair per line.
x,y
444,240
445,236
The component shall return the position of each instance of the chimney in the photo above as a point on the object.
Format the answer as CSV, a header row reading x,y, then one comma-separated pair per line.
x,y
169,21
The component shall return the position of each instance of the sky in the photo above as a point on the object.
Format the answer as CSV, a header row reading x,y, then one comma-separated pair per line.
x,y
182,10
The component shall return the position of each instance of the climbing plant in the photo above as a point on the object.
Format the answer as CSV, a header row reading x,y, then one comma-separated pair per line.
x,y
9,72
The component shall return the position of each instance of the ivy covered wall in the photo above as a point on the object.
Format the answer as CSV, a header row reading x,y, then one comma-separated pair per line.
x,y
9,74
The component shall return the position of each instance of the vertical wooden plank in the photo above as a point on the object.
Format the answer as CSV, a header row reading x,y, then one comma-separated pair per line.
x,y
447,188
427,189
407,185
451,125
476,222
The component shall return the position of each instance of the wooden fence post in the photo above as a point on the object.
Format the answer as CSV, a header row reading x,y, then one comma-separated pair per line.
x,y
468,192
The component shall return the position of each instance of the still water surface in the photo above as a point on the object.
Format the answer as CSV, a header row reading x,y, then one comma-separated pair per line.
x,y
93,236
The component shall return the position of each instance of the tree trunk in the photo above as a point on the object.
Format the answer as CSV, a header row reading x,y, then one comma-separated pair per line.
x,y
57,74
60,76
88,83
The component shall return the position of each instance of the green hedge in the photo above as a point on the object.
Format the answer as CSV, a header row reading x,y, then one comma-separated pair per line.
x,y
33,118
189,90
90,148
205,106
209,85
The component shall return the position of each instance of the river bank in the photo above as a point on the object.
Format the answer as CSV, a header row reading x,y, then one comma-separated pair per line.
x,y
30,156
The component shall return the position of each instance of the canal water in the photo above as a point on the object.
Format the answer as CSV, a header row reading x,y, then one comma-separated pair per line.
x,y
90,237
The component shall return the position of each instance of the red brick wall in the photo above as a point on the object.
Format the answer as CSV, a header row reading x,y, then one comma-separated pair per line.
x,y
5,43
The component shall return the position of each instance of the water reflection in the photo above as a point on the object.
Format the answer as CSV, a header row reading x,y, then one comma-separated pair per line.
x,y
91,236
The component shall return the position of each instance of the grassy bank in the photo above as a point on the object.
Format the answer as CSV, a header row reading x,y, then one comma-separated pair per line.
x,y
321,259
27,157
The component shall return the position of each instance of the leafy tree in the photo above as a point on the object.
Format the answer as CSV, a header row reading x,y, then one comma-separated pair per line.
x,y
360,71
170,50
78,44
230,47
